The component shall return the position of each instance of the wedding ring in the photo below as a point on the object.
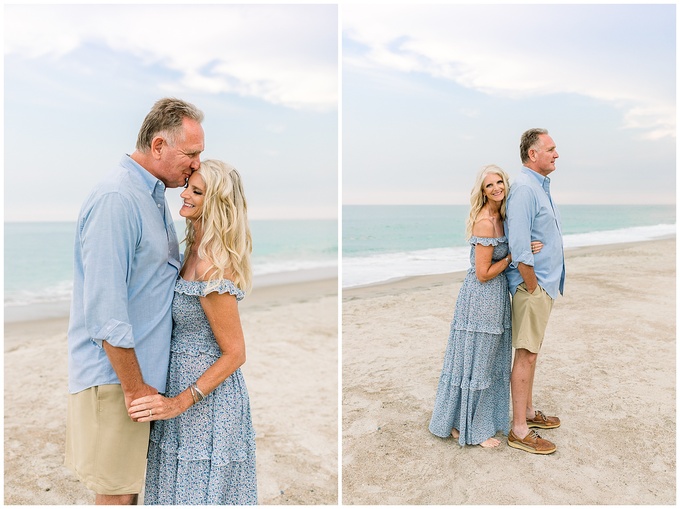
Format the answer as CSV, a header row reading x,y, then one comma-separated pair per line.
x,y
150,414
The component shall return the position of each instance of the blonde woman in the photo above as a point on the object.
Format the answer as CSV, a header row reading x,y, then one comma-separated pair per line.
x,y
473,396
202,445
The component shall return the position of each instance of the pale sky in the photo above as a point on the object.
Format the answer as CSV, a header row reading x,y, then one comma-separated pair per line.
x,y
432,93
429,94
79,80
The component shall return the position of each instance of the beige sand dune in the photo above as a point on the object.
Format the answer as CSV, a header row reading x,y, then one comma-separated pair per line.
x,y
607,369
291,372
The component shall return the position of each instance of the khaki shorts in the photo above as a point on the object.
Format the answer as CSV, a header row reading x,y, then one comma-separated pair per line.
x,y
530,313
104,447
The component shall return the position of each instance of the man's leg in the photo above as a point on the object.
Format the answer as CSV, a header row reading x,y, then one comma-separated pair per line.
x,y
115,499
529,317
521,380
530,313
530,398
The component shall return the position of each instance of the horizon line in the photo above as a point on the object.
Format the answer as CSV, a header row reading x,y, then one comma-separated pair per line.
x,y
467,204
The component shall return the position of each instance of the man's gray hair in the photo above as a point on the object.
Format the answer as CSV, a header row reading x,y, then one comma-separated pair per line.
x,y
528,141
165,119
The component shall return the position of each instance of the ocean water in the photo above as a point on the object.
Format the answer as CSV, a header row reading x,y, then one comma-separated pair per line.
x,y
39,256
384,242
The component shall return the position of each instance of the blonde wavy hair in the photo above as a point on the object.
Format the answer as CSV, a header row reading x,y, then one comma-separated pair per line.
x,y
226,242
478,199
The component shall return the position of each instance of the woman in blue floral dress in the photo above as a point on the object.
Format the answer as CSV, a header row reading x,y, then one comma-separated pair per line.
x,y
202,444
473,396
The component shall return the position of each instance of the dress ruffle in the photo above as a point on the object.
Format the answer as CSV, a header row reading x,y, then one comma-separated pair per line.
x,y
203,288
487,241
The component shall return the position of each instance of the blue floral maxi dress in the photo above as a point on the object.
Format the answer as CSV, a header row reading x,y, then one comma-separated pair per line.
x,y
205,455
473,395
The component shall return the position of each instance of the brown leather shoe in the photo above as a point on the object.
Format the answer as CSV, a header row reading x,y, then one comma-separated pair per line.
x,y
543,421
532,443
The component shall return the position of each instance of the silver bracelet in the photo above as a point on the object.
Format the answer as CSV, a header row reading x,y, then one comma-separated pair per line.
x,y
199,394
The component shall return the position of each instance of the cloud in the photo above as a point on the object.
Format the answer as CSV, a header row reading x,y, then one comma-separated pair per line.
x,y
620,54
282,54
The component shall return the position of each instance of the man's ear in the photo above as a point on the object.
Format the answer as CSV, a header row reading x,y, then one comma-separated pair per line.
x,y
157,145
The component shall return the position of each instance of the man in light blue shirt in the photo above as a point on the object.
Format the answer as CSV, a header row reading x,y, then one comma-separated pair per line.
x,y
126,264
534,280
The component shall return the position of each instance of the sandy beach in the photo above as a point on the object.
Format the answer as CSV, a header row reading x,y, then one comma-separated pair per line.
x,y
292,376
607,369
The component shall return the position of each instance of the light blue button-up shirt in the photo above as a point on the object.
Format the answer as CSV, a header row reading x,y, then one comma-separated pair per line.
x,y
532,215
126,264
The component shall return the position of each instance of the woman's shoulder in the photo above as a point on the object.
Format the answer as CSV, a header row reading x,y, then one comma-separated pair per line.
x,y
484,232
483,227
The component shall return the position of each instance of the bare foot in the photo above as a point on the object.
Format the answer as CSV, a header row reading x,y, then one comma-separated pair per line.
x,y
490,443
455,433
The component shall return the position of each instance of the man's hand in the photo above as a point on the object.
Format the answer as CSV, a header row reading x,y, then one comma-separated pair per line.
x,y
529,276
138,392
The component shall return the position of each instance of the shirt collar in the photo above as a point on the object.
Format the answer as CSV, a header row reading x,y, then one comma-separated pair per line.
x,y
150,181
542,181
540,178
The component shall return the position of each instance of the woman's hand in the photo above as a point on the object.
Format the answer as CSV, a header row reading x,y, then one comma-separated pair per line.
x,y
536,246
154,408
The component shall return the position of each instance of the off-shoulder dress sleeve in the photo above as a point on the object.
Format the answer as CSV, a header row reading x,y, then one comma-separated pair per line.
x,y
487,241
203,288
